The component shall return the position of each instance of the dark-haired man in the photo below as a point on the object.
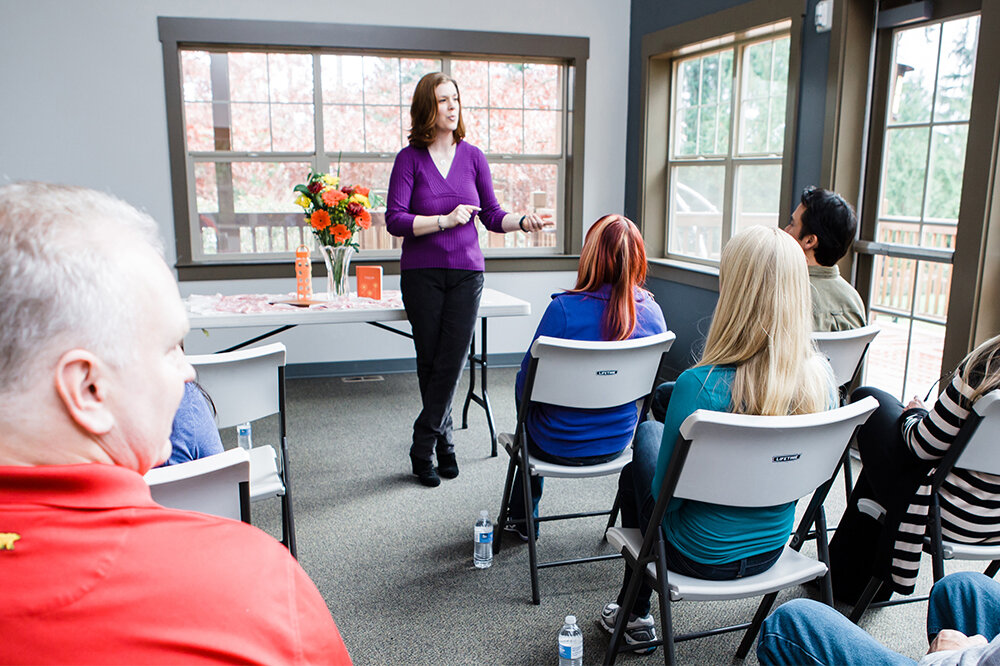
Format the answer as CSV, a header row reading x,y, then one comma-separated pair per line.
x,y
824,225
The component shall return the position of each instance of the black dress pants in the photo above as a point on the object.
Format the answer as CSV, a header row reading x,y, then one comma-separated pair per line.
x,y
441,304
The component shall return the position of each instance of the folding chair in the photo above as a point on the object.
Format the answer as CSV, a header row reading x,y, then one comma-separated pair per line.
x,y
846,350
583,375
742,461
246,385
974,449
219,485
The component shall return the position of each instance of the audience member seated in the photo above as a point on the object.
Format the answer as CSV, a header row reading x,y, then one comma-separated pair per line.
x,y
899,449
963,629
194,433
824,225
608,303
91,374
758,359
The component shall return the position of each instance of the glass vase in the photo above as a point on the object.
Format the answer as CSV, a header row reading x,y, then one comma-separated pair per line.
x,y
338,267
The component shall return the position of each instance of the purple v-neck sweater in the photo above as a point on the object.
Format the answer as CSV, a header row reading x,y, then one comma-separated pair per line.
x,y
416,187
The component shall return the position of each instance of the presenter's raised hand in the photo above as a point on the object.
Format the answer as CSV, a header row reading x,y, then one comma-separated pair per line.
x,y
462,214
536,222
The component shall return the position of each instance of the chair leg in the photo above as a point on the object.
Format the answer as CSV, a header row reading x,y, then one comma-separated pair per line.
x,y
993,568
848,473
758,619
288,524
666,619
615,508
866,599
623,612
823,550
504,506
529,523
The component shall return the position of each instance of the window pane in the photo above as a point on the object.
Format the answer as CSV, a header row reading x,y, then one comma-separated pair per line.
x,y
196,76
947,165
477,128
762,109
758,190
687,133
893,284
887,354
542,89
702,105
382,129
932,290
290,77
342,78
523,188
381,80
506,127
205,188
411,70
198,126
958,63
904,171
912,84
251,127
696,202
689,73
343,128
294,129
248,77
924,366
706,131
542,132
473,79
266,187
506,85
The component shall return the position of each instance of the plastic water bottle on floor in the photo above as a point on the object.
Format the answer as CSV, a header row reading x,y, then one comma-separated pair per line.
x,y
482,557
244,437
570,643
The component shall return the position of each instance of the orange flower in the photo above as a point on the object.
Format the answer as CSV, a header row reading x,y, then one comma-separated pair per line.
x,y
364,219
340,233
320,220
363,191
333,197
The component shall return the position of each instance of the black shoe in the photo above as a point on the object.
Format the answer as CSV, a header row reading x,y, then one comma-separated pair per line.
x,y
424,470
447,465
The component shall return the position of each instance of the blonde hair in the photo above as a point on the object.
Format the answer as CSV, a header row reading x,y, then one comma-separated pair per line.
x,y
762,325
981,368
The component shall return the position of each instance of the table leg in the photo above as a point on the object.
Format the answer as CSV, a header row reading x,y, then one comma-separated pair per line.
x,y
483,400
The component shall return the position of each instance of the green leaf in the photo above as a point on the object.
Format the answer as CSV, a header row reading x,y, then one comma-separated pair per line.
x,y
302,189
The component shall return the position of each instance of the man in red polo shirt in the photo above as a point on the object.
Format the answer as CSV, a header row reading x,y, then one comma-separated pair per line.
x,y
91,373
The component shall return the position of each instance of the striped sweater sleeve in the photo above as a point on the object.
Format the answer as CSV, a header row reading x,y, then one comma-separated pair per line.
x,y
930,434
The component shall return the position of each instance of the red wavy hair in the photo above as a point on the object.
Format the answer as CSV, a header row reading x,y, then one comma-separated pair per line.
x,y
614,253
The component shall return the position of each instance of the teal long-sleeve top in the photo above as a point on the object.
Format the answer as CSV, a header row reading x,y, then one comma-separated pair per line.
x,y
714,533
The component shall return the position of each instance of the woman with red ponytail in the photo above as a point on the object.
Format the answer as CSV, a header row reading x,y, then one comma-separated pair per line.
x,y
608,303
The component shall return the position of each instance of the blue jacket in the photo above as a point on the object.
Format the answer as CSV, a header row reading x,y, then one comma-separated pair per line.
x,y
578,433
194,434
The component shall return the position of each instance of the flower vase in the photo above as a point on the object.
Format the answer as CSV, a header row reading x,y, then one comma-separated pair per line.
x,y
338,267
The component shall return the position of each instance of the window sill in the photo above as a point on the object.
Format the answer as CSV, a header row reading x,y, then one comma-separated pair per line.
x,y
682,272
188,272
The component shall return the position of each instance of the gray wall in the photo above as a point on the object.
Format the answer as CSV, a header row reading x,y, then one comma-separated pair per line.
x,y
688,309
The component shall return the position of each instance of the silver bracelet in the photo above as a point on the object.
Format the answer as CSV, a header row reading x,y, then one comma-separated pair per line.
x,y
440,228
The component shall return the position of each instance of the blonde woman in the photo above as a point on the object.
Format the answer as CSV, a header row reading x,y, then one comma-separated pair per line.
x,y
758,359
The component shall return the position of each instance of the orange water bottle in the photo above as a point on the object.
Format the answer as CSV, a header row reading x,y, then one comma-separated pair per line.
x,y
303,274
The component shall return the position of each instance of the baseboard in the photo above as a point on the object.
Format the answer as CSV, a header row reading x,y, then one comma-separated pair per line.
x,y
382,366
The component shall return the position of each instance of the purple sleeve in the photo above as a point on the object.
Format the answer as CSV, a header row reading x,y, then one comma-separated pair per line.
x,y
491,214
398,218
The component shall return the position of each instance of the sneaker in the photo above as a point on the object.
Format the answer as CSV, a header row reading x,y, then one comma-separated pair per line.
x,y
514,529
638,630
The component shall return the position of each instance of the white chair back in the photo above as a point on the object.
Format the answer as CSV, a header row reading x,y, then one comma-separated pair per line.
x,y
596,374
982,453
209,485
752,461
243,384
845,349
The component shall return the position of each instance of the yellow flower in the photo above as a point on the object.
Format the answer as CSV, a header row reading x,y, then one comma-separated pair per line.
x,y
303,200
330,180
361,199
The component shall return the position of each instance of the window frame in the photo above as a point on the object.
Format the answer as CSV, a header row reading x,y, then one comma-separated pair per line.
x,y
212,34
659,50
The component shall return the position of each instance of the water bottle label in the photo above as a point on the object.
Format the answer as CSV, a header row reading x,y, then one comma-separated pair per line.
x,y
484,534
567,651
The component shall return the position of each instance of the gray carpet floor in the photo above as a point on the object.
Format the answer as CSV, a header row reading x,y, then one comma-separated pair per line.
x,y
393,559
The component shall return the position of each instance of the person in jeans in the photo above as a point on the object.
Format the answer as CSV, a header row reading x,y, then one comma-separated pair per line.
x,y
758,359
963,629
607,303
439,184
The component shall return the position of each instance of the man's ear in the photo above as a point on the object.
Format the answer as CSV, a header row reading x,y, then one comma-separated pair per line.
x,y
809,242
82,384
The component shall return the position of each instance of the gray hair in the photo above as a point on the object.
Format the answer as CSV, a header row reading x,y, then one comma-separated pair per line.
x,y
61,277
